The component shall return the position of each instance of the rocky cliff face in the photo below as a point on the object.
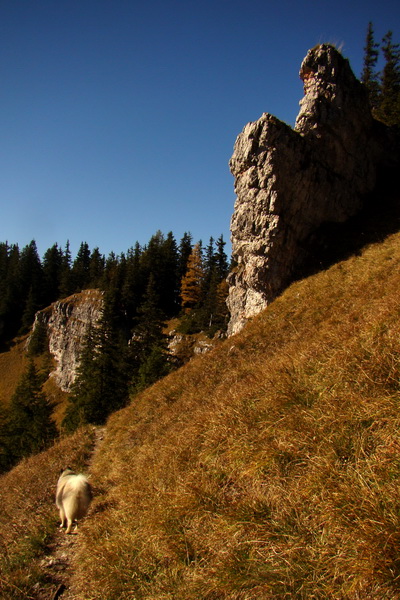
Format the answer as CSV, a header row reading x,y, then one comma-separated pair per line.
x,y
289,182
67,322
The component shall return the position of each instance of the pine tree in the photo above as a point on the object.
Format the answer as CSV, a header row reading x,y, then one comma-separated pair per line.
x,y
154,366
209,259
31,428
221,316
84,392
11,304
38,342
96,268
31,274
369,76
221,258
169,277
80,272
185,250
52,272
149,348
111,268
389,105
152,263
4,254
101,385
133,286
66,284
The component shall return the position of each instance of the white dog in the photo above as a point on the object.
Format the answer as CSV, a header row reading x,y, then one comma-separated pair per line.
x,y
73,497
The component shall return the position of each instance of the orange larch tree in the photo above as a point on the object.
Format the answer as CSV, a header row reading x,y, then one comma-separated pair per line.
x,y
191,287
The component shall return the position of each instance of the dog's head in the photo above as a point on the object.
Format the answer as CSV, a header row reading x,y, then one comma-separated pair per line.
x,y
66,471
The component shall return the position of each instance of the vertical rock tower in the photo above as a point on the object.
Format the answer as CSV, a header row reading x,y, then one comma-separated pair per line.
x,y
289,182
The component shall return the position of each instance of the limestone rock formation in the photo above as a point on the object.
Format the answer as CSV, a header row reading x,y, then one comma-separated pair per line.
x,y
289,182
67,322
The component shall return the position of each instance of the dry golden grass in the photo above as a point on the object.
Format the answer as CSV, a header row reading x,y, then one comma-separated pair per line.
x,y
12,364
29,518
57,398
268,469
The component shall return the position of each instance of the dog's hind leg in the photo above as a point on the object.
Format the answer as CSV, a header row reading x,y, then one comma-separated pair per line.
x,y
62,518
69,527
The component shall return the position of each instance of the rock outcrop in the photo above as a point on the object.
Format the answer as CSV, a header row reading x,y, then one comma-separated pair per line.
x,y
289,182
67,321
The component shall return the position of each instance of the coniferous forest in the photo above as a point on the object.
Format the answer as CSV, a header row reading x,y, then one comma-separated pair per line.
x,y
383,86
182,276
128,349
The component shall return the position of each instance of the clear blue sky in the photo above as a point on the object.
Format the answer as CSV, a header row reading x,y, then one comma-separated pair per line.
x,y
118,117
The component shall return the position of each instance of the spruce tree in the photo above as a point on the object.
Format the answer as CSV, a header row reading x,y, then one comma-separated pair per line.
x,y
38,342
84,392
221,315
31,277
11,297
369,76
389,105
185,250
111,271
31,428
101,385
52,272
80,272
169,277
151,263
221,258
66,284
132,288
32,305
96,268
149,344
209,258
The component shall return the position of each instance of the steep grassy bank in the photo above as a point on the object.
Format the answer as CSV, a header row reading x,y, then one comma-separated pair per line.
x,y
12,364
29,519
268,468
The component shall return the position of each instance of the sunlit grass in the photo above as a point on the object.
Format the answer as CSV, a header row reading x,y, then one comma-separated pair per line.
x,y
268,469
12,364
29,518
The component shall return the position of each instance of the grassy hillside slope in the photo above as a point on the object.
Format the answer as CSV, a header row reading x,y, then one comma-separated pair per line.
x,y
12,364
267,469
29,520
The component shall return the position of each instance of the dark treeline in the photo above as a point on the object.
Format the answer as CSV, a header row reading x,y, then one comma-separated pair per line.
x,y
383,86
128,349
28,284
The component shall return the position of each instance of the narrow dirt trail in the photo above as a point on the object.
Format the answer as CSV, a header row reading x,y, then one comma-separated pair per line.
x,y
58,563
